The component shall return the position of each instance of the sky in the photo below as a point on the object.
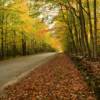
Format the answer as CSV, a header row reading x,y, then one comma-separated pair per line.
x,y
48,13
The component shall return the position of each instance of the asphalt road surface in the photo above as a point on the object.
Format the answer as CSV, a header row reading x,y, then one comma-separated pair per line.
x,y
14,69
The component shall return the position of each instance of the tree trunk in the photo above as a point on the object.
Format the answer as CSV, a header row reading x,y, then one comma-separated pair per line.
x,y
23,44
91,31
72,38
95,31
2,36
14,43
83,28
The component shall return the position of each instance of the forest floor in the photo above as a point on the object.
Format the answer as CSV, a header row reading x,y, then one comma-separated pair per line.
x,y
58,79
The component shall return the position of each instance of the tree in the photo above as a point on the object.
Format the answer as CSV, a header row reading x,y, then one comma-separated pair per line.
x,y
95,31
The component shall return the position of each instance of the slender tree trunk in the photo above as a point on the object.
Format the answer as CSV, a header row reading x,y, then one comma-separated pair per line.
x,y
91,31
82,23
79,41
6,35
2,36
82,36
95,31
72,38
14,43
23,44
76,33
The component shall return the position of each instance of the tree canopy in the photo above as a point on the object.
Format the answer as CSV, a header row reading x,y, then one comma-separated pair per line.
x,y
32,26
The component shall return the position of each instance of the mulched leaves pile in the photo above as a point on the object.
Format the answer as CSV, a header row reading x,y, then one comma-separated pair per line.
x,y
56,80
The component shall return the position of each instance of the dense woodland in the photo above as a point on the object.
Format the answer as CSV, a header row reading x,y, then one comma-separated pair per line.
x,y
21,32
33,26
79,20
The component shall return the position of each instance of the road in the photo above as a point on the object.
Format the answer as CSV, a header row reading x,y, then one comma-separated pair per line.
x,y
14,69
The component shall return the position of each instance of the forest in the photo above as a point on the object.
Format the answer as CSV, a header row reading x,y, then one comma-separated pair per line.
x,y
73,24
21,31
69,31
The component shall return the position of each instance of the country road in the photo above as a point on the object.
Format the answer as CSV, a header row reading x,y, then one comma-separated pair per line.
x,y
12,69
57,79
